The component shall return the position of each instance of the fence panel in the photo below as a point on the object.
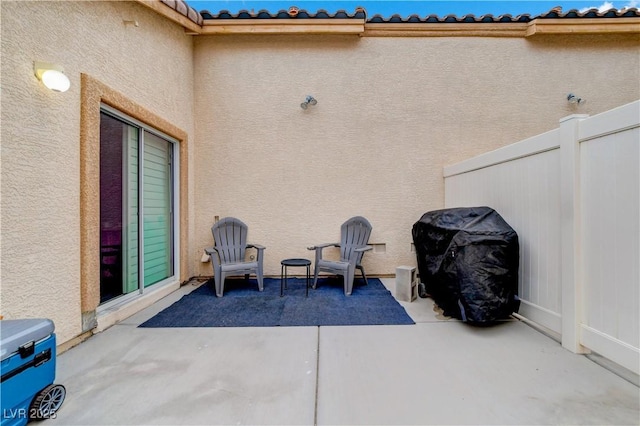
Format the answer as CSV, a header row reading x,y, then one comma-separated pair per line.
x,y
574,199
525,191
610,232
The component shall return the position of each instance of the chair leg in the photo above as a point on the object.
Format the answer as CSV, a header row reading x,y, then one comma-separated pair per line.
x,y
260,275
260,281
364,276
315,278
220,284
347,292
348,280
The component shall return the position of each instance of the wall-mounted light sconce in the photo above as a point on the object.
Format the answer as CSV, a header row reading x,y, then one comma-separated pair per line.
x,y
573,99
309,100
52,76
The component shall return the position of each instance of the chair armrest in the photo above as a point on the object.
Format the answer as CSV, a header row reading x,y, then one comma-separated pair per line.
x,y
321,246
319,249
363,249
215,257
259,252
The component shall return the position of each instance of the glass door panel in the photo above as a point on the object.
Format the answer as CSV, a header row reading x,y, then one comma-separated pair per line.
x,y
158,220
116,141
130,213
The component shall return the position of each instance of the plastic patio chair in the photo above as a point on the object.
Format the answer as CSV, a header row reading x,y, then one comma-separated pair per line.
x,y
354,237
228,253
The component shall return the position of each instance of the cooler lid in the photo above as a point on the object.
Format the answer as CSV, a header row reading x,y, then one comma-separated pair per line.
x,y
15,333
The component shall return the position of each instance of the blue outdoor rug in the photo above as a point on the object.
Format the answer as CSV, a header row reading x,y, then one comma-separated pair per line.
x,y
244,306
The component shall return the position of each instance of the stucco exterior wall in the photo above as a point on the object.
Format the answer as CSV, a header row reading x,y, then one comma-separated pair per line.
x,y
391,113
40,217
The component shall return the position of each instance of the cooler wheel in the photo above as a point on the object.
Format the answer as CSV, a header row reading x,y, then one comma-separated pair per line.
x,y
47,402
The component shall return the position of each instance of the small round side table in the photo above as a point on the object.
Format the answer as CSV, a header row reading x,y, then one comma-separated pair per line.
x,y
293,263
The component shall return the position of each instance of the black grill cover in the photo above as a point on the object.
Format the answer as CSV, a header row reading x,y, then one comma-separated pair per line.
x,y
468,260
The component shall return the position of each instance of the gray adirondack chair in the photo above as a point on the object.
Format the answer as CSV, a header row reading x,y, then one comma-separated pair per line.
x,y
354,237
228,253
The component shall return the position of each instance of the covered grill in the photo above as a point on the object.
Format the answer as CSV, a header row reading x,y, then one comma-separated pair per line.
x,y
468,260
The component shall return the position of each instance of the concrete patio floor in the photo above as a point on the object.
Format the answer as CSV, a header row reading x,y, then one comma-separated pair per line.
x,y
437,371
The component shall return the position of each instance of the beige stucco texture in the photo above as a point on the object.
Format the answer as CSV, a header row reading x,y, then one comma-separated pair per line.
x,y
41,216
391,113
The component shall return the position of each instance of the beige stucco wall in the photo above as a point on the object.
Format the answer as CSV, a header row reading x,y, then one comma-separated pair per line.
x,y
391,113
40,212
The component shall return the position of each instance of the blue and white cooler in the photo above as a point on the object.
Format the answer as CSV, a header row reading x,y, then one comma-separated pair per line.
x,y
28,368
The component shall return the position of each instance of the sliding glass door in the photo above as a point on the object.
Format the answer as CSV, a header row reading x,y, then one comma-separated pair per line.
x,y
158,240
137,197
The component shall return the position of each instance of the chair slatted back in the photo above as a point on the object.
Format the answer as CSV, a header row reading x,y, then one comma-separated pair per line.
x,y
230,238
354,233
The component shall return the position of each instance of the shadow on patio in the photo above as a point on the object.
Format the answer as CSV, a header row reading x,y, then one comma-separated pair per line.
x,y
437,371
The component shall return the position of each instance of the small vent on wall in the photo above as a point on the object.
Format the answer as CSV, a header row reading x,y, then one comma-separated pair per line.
x,y
379,247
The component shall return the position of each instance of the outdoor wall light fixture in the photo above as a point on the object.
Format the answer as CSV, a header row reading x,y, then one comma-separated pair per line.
x,y
52,76
309,100
573,99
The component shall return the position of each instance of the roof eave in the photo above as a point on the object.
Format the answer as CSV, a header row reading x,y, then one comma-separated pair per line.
x,y
537,26
359,26
170,13
441,29
352,26
583,26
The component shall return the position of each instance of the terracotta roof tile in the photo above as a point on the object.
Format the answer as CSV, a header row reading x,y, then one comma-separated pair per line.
x,y
193,15
295,13
284,14
183,8
556,13
553,14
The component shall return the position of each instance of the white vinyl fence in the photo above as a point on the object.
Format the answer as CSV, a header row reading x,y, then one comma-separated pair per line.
x,y
573,197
